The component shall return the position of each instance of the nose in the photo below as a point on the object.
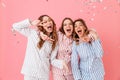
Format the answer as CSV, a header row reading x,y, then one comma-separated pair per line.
x,y
68,25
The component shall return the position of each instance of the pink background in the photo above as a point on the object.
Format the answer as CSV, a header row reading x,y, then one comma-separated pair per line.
x,y
103,16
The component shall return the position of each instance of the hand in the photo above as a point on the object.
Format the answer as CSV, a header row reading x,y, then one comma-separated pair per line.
x,y
93,34
65,66
45,37
86,39
36,23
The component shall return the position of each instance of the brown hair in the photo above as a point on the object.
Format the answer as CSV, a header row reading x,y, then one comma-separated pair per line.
x,y
61,28
53,34
75,36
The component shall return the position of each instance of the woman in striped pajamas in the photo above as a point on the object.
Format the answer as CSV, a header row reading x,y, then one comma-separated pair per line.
x,y
36,64
62,70
89,49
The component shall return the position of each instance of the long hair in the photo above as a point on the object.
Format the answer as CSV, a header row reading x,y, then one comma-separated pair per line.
x,y
75,36
61,28
53,34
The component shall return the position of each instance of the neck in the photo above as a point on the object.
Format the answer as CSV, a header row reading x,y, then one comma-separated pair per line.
x,y
82,36
68,36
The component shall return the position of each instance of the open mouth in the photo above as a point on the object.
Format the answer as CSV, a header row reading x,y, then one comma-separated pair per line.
x,y
49,27
79,31
68,30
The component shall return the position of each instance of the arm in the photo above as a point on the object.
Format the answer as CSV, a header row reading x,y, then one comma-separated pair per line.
x,y
23,27
55,62
75,63
96,44
97,48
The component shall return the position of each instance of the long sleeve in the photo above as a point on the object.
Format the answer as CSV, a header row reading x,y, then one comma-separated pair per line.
x,y
56,62
23,27
97,48
75,63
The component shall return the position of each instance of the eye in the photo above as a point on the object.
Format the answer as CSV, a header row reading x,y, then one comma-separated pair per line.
x,y
49,20
64,24
44,22
70,23
75,25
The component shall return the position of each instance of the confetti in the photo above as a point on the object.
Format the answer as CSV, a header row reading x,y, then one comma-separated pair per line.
x,y
3,4
81,10
92,19
94,14
96,0
104,8
18,42
94,6
13,31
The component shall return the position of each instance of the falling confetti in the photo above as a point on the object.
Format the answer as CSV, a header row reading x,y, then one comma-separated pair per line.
x,y
104,8
118,2
13,31
96,0
81,10
116,11
18,42
94,14
92,19
3,4
94,7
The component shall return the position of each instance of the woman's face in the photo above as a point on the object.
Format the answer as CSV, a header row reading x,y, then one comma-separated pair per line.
x,y
47,24
68,27
79,28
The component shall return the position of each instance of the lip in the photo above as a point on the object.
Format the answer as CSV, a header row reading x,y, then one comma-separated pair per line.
x,y
68,30
49,27
79,31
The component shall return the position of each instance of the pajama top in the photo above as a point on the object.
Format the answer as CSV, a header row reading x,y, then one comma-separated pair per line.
x,y
63,54
37,61
90,66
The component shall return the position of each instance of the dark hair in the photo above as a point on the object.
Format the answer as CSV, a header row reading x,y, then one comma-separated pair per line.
x,y
75,36
53,34
61,28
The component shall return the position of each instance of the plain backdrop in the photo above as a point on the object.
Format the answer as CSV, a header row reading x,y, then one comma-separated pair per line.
x,y
103,16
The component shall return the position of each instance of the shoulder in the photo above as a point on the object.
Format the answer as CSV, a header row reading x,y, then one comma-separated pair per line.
x,y
93,34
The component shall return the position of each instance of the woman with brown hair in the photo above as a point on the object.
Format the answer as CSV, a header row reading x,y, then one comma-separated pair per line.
x,y
38,52
88,47
61,61
65,39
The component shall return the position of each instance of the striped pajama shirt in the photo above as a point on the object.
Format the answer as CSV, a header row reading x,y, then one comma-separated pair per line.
x,y
37,61
90,66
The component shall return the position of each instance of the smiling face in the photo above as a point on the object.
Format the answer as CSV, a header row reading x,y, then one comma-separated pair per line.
x,y
47,24
79,28
68,27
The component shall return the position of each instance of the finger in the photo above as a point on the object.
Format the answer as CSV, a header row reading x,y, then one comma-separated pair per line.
x,y
91,37
51,39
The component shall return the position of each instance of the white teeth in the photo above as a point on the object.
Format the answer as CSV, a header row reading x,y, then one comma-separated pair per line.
x,y
68,30
49,27
79,31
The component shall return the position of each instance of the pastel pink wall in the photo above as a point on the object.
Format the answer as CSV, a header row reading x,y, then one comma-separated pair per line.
x,y
103,16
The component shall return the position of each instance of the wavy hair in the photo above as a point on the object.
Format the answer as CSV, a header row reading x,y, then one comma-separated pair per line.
x,y
75,36
53,34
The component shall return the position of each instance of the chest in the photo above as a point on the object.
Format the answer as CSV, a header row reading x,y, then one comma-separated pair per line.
x,y
85,50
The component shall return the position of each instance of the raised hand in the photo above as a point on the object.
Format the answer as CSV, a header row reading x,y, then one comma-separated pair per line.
x,y
36,22
45,37
65,67
93,34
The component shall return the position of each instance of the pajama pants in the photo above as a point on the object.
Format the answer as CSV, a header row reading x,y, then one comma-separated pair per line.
x,y
33,78
62,77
